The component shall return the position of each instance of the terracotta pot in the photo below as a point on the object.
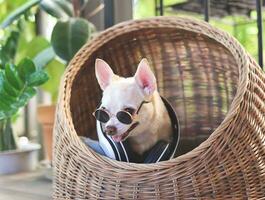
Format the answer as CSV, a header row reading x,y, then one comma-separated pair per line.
x,y
46,116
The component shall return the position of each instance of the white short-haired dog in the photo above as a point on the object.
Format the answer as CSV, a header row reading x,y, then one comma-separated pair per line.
x,y
131,108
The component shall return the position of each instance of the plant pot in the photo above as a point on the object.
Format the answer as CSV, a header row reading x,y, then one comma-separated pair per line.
x,y
19,160
46,116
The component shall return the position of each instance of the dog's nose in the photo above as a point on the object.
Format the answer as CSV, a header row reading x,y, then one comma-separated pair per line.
x,y
111,130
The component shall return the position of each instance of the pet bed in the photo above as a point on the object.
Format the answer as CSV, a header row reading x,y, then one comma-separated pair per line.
x,y
217,90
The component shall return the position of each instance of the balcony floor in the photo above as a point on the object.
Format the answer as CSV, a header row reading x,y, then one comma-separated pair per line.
x,y
25,186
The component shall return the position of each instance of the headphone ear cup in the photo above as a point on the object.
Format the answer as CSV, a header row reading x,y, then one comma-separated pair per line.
x,y
159,152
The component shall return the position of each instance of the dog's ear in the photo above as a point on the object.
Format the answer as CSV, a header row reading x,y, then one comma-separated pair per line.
x,y
145,78
104,73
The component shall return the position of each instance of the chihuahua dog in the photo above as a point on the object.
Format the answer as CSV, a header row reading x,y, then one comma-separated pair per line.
x,y
131,108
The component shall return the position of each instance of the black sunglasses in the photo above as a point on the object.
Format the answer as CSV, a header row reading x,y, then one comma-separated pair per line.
x,y
123,116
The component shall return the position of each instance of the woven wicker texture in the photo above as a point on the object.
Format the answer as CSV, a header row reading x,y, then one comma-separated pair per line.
x,y
217,90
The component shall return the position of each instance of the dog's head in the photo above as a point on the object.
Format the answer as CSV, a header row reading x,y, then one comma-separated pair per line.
x,y
126,94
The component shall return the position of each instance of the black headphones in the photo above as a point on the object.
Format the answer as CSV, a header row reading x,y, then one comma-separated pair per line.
x,y
161,151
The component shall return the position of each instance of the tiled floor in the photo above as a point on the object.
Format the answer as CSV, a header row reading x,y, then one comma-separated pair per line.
x,y
25,186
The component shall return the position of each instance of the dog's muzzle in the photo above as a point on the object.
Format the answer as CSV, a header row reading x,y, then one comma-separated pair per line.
x,y
111,130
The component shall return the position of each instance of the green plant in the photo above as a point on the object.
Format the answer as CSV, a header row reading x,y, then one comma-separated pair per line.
x,y
17,82
17,86
71,31
19,40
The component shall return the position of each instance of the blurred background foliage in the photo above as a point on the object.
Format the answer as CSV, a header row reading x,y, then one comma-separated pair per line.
x,y
38,38
68,30
7,6
24,30
243,28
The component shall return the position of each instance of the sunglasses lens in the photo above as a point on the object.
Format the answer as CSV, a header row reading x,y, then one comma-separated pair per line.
x,y
124,117
102,116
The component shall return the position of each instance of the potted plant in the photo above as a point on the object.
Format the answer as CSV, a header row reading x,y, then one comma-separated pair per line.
x,y
71,31
17,86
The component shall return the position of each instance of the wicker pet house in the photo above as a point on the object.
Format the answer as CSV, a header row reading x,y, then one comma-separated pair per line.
x,y
216,88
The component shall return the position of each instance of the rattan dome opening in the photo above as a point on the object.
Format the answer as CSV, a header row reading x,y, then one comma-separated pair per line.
x,y
217,90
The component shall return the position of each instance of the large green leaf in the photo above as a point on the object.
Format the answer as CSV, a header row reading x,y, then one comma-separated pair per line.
x,y
57,8
55,69
5,101
8,99
18,12
17,86
9,49
12,76
37,78
2,79
27,94
10,46
4,107
69,36
25,68
10,90
44,57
